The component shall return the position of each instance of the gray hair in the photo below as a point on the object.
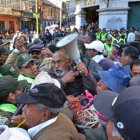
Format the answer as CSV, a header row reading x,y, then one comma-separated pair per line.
x,y
42,107
115,132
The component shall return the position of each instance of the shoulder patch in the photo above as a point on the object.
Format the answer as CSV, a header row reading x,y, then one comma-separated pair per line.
x,y
3,120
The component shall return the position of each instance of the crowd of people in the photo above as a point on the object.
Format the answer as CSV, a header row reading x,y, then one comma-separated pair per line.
x,y
50,97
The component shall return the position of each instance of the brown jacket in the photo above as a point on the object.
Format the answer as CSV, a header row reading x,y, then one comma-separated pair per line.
x,y
62,129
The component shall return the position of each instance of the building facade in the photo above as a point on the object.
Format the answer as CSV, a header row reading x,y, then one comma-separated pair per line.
x,y
110,14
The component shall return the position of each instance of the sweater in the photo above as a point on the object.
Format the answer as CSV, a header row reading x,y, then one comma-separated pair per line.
x,y
61,129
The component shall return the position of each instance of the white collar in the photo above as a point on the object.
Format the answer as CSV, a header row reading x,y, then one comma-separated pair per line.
x,y
34,130
97,58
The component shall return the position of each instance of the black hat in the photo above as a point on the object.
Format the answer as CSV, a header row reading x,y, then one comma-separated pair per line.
x,y
123,110
47,94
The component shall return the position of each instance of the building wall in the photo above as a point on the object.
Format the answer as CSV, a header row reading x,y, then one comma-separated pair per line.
x,y
111,16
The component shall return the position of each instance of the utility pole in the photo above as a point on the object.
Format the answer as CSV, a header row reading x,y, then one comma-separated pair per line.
x,y
37,29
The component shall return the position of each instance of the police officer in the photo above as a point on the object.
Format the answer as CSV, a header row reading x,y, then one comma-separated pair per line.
x,y
104,35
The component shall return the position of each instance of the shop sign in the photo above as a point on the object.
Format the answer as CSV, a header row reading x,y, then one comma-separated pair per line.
x,y
5,11
89,2
26,14
16,13
34,15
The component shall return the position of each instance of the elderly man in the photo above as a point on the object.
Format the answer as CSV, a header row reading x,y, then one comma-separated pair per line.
x,y
39,53
73,81
122,111
43,102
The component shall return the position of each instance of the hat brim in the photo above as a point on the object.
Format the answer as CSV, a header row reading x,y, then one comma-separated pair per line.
x,y
87,46
103,103
39,50
111,82
25,98
22,84
26,63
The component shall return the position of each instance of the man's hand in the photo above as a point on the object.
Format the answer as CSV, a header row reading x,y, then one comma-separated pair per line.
x,y
46,52
82,69
16,120
19,45
69,77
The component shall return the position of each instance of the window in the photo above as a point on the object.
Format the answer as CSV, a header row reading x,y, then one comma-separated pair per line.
x,y
11,26
2,27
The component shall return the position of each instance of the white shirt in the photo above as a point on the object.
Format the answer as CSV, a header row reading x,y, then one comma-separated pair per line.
x,y
98,58
34,130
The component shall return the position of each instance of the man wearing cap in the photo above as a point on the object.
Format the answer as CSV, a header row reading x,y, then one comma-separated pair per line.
x,y
9,69
108,45
112,34
95,51
4,54
9,87
27,68
115,79
44,102
122,111
72,82
104,35
38,53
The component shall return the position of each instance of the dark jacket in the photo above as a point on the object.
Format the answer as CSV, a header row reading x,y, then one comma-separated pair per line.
x,y
80,84
93,67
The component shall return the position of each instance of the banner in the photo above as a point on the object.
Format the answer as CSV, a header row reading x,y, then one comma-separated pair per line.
x,y
5,11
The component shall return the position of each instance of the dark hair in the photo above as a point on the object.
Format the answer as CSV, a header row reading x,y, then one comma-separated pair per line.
x,y
92,36
132,52
135,62
136,44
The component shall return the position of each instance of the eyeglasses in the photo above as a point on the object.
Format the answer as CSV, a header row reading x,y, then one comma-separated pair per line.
x,y
59,62
37,53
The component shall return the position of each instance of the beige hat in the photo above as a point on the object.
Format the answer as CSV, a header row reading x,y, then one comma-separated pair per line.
x,y
7,133
44,77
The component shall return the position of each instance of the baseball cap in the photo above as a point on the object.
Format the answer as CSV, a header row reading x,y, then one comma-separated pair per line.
x,y
47,94
96,45
9,69
36,47
123,110
23,60
116,78
4,51
8,84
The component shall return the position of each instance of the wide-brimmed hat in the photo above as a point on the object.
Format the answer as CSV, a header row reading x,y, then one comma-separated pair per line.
x,y
123,110
47,94
116,78
43,77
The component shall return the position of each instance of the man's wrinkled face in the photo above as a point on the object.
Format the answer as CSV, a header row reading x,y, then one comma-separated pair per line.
x,y
30,70
124,59
101,87
32,115
60,64
37,56
135,70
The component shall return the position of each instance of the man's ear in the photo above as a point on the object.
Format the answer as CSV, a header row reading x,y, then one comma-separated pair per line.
x,y
45,115
11,96
20,71
69,61
129,58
